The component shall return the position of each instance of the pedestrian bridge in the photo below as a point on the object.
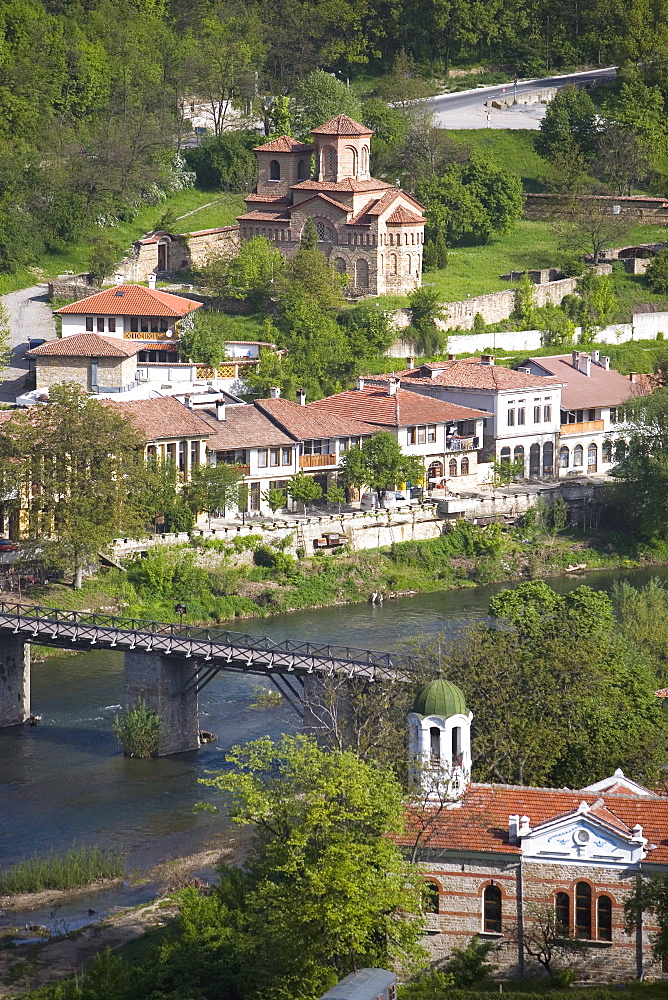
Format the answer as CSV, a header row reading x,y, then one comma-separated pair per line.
x,y
168,664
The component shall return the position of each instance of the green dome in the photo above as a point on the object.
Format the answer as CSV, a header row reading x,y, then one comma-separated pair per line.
x,y
440,697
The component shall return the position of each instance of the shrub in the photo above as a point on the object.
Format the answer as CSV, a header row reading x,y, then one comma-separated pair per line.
x,y
77,867
139,730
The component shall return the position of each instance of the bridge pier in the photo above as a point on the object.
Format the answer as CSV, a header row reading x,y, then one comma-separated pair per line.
x,y
160,681
14,680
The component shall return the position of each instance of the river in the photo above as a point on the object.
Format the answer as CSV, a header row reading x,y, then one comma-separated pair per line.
x,y
67,781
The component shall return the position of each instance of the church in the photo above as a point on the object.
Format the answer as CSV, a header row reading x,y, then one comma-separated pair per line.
x,y
497,857
368,229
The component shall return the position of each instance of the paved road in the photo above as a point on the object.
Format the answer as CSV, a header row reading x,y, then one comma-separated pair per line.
x,y
449,108
29,316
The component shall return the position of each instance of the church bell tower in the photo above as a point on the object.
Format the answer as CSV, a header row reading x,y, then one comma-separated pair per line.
x,y
440,740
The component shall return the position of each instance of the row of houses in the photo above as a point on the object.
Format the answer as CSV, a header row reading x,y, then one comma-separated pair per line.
x,y
556,416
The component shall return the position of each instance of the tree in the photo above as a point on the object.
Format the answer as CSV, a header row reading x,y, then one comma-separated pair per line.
x,y
545,940
73,465
319,97
243,501
205,340
335,495
103,257
225,162
311,272
254,274
593,306
275,498
426,310
368,328
587,224
322,861
621,158
381,465
656,274
504,471
469,966
213,487
570,116
304,489
643,471
650,895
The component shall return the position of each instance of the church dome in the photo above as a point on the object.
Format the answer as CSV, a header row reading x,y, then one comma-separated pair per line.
x,y
440,697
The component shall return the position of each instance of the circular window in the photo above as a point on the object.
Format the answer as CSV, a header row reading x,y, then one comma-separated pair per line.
x,y
582,836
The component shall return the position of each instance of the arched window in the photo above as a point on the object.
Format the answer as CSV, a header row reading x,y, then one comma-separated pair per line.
x,y
562,911
452,467
465,466
548,458
361,273
365,159
592,457
352,153
320,230
393,264
604,921
435,474
505,454
330,154
578,455
583,910
492,910
534,460
564,457
340,265
274,170
301,170
456,744
606,451
518,455
620,450
435,744
407,263
430,897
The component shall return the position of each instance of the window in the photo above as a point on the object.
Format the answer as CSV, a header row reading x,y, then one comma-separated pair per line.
x,y
100,324
320,229
89,324
520,415
301,170
286,456
262,458
604,921
578,454
194,454
592,414
435,744
431,433
505,454
111,324
518,455
331,161
452,467
362,273
134,324
606,451
492,910
171,453
511,418
182,456
583,910
592,457
548,458
534,460
536,414
274,456
456,744
422,435
274,171
254,496
613,414
547,413
465,466
430,897
562,910
340,265
394,268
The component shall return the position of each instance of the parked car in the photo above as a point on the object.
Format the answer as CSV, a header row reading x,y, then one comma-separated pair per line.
x,y
391,500
7,545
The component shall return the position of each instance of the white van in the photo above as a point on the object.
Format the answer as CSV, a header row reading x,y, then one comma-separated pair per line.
x,y
391,500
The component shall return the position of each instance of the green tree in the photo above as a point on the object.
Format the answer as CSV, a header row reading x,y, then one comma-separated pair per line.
x,y
254,274
275,498
319,97
369,329
323,860
103,257
470,966
225,162
643,471
504,471
381,465
570,116
213,487
310,271
426,310
205,340
656,274
335,495
304,489
242,501
593,306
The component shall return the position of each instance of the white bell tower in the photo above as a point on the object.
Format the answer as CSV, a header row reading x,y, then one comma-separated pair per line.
x,y
440,740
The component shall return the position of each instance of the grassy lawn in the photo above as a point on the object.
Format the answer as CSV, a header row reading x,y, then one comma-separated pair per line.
x,y
196,209
512,148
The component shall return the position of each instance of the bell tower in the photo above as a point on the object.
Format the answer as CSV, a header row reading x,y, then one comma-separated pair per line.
x,y
440,740
342,150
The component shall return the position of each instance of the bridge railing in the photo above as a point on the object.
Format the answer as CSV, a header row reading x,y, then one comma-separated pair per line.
x,y
224,637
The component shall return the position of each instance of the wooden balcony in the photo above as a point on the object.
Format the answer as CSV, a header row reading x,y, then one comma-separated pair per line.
x,y
152,337
316,461
586,427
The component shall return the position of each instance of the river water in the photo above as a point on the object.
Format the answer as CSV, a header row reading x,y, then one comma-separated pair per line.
x,y
67,781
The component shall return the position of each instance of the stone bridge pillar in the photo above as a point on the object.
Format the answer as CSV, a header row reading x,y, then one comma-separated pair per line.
x,y
14,680
160,681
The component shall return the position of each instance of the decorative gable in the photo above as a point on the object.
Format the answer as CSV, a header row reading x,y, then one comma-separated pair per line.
x,y
590,834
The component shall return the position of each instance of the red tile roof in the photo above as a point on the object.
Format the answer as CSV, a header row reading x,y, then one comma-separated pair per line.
x,y
600,388
131,300
88,345
481,824
469,375
207,232
342,125
284,144
320,197
347,184
374,405
165,417
274,199
244,426
304,422
269,216
402,217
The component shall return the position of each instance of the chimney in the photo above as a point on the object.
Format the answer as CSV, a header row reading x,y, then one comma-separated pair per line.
x,y
585,364
595,356
574,358
220,410
274,392
360,384
452,357
487,359
301,397
605,361
513,828
410,362
524,827
152,278
392,386
633,377
119,278
187,402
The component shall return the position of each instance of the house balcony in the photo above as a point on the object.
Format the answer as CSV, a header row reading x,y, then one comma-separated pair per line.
x,y
317,461
169,337
586,427
462,444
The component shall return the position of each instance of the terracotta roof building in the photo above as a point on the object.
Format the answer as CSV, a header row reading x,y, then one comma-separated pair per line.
x,y
130,312
97,364
368,229
172,431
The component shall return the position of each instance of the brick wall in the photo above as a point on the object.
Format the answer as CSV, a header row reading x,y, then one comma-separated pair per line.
x,y
652,211
112,372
